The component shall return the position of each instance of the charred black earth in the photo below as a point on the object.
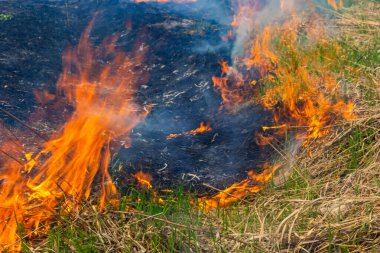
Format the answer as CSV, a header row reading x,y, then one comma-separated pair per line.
x,y
184,43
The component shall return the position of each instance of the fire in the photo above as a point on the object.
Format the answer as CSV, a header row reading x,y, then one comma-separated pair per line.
x,y
335,5
275,70
289,79
143,179
253,184
233,93
203,128
300,98
245,12
79,155
297,97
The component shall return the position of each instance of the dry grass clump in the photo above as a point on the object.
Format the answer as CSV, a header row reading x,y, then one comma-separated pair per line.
x,y
360,22
330,202
327,204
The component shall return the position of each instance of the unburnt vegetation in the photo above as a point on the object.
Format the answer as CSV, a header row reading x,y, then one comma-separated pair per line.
x,y
326,197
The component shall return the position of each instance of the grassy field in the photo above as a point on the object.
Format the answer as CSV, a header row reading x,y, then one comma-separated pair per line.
x,y
326,200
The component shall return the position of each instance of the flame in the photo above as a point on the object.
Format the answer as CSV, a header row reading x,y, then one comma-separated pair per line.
x,y
336,6
234,92
203,128
297,96
245,10
253,184
143,179
300,98
288,79
64,171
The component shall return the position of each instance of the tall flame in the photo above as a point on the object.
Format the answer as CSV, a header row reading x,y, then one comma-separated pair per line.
x,y
64,171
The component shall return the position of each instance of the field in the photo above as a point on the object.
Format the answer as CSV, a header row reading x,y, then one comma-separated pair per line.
x,y
324,198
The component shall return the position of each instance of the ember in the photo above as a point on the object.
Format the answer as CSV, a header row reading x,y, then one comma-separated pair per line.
x,y
203,128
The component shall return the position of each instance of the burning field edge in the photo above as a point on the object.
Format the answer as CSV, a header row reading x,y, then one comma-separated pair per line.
x,y
325,200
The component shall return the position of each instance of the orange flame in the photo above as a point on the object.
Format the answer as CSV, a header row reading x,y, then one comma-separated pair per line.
x,y
297,96
203,128
300,98
253,184
287,79
144,179
64,171
335,5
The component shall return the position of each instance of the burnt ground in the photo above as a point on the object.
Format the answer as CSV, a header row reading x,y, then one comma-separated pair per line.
x,y
185,46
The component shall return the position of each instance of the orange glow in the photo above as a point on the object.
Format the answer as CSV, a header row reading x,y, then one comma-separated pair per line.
x,y
203,128
63,172
143,179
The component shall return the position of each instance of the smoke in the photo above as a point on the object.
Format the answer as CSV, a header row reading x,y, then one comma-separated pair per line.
x,y
252,16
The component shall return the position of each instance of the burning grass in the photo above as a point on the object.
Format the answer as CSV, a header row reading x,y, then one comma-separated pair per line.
x,y
203,128
326,198
67,165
